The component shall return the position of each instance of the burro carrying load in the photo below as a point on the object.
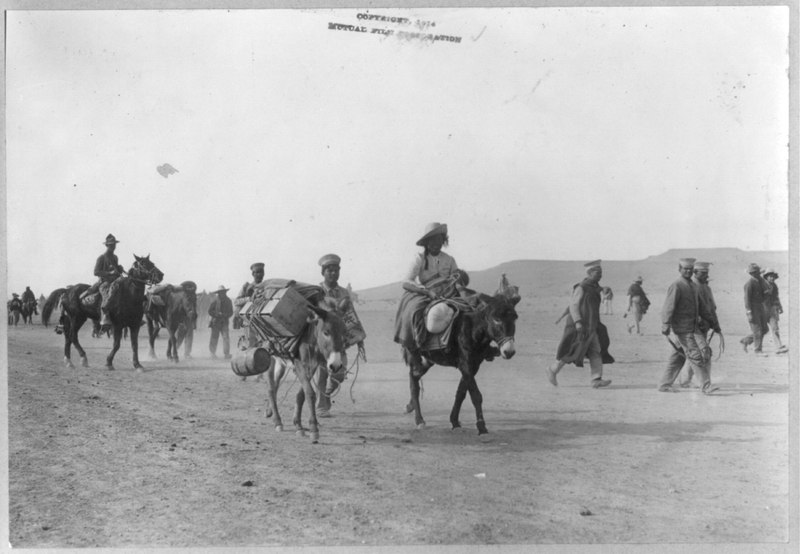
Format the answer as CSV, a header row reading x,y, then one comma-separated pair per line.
x,y
275,318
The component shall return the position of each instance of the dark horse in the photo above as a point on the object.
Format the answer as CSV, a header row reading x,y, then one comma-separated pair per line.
x,y
176,308
28,309
473,333
128,311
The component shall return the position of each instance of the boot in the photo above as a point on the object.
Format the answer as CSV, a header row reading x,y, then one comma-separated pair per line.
x,y
105,322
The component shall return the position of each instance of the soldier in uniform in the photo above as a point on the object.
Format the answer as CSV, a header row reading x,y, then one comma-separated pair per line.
x,y
705,325
331,267
107,270
756,311
682,310
581,338
774,308
246,294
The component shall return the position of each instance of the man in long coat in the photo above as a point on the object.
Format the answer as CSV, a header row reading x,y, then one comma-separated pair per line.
x,y
755,309
680,315
583,332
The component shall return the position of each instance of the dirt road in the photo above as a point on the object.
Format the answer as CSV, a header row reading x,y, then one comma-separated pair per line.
x,y
181,455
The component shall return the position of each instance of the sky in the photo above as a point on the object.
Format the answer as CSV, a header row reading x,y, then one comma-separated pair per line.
x,y
535,133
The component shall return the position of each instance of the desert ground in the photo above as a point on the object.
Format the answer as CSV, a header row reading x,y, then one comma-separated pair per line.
x,y
181,455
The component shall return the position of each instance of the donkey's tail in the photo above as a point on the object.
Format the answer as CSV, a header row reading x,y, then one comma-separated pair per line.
x,y
50,304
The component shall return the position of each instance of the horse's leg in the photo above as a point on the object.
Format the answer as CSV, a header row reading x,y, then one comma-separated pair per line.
x,y
75,326
461,394
151,337
114,348
67,331
133,335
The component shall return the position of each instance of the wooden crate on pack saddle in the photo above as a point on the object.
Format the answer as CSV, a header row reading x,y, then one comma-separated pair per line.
x,y
280,312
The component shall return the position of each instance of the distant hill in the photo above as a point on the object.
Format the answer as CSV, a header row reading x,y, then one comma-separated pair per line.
x,y
546,278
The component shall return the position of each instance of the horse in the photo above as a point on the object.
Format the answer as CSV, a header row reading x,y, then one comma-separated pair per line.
x,y
127,313
472,335
322,342
177,314
28,309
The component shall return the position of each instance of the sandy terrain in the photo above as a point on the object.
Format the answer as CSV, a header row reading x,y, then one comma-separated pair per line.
x,y
181,455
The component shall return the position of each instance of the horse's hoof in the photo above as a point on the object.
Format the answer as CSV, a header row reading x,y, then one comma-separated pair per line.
x,y
279,428
300,433
314,438
69,365
110,367
84,362
268,413
456,426
482,430
421,426
409,408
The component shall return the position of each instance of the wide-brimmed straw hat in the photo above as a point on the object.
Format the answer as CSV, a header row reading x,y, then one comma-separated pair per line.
x,y
330,259
110,239
221,289
432,229
770,271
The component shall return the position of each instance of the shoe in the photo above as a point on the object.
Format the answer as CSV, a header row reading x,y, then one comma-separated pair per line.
x,y
744,346
551,376
323,412
782,350
597,383
685,385
666,388
708,389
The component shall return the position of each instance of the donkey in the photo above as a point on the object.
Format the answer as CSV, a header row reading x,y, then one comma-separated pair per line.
x,y
178,313
322,342
473,333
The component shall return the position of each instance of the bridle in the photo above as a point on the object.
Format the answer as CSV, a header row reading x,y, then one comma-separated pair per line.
x,y
150,274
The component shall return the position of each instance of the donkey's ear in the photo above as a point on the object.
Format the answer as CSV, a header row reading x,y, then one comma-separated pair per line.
x,y
315,313
342,304
137,258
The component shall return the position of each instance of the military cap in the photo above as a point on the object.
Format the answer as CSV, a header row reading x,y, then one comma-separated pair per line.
x,y
432,229
256,266
110,239
702,265
330,259
687,262
592,264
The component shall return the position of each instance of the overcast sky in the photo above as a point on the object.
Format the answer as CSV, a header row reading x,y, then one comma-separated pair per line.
x,y
564,133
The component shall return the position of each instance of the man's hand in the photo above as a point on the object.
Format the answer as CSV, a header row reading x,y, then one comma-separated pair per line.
x,y
749,316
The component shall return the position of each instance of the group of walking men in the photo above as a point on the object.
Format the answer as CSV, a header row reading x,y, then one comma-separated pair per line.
x,y
688,320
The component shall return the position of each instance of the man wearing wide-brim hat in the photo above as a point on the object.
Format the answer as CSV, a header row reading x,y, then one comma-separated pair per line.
x,y
755,309
679,317
584,335
774,308
220,312
107,270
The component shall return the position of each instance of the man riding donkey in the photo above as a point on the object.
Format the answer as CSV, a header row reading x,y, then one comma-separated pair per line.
x,y
107,270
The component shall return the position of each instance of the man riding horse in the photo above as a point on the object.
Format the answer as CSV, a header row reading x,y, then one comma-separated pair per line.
x,y
28,298
107,270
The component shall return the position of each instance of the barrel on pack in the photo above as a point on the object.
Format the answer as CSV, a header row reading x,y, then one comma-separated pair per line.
x,y
251,362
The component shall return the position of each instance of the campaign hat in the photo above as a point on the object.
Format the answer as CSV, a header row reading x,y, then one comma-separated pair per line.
x,y
110,239
221,289
432,229
330,259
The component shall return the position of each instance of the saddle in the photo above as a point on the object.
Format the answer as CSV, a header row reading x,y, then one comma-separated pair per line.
x,y
438,336
91,300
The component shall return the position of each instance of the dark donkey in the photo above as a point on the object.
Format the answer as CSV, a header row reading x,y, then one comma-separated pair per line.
x,y
471,341
176,309
127,313
320,344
